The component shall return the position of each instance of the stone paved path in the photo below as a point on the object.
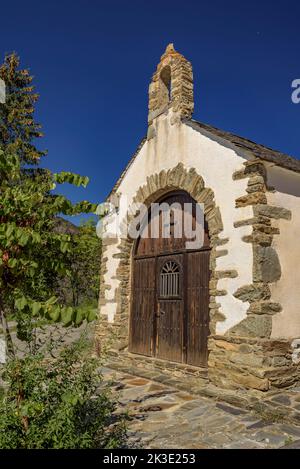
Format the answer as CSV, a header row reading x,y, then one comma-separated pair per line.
x,y
164,417
56,334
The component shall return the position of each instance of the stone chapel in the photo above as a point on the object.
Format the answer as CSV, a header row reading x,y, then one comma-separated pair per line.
x,y
227,314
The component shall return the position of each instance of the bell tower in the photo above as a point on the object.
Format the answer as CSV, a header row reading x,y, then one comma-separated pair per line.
x,y
171,86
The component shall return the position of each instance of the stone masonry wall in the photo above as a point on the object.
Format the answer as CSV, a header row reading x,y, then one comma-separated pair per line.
x,y
157,184
246,357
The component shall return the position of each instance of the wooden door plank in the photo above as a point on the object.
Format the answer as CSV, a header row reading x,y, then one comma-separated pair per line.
x,y
197,307
143,306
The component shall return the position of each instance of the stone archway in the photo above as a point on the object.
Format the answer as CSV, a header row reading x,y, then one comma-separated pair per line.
x,y
177,178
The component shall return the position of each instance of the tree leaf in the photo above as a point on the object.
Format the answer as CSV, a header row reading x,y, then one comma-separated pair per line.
x,y
20,303
23,239
35,308
79,316
54,313
67,315
92,314
12,262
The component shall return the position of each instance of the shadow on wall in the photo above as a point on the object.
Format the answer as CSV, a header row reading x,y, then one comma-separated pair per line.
x,y
284,181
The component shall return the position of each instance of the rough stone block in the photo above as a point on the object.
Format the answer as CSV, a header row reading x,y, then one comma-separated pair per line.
x,y
253,326
266,265
272,212
251,199
254,292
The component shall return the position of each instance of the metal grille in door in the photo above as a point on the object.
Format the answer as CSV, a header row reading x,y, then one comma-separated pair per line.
x,y
169,280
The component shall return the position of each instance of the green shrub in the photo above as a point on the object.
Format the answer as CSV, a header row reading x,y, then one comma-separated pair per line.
x,y
58,403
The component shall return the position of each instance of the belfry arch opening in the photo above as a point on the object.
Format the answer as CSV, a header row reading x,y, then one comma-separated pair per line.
x,y
166,83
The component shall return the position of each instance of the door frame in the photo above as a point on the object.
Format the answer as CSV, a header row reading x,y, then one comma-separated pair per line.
x,y
184,253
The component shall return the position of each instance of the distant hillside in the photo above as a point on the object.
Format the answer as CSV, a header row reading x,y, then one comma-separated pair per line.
x,y
63,226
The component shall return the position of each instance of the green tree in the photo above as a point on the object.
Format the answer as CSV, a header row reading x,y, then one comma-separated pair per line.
x,y
81,286
57,404
32,254
48,402
18,129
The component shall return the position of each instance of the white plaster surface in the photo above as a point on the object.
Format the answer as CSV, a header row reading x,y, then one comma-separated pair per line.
x,y
215,162
286,291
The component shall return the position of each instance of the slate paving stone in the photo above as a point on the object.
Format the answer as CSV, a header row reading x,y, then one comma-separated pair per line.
x,y
282,399
170,399
164,379
290,429
137,382
217,440
230,409
195,413
185,397
191,405
162,416
270,438
296,416
295,389
123,377
151,408
244,444
235,426
106,371
259,424
118,387
293,445
156,394
214,422
273,405
156,387
249,417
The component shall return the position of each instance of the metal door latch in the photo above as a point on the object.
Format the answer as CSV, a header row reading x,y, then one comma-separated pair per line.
x,y
159,313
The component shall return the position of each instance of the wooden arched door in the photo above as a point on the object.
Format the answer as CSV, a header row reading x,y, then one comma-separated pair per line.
x,y
170,289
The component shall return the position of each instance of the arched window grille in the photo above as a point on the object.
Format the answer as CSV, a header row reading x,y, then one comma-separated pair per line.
x,y
169,279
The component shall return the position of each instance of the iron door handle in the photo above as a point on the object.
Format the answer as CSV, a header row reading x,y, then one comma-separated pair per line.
x,y
159,313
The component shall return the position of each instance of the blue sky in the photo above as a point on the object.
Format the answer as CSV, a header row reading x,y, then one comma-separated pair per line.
x,y
93,61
